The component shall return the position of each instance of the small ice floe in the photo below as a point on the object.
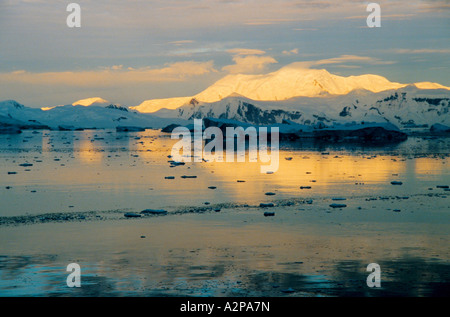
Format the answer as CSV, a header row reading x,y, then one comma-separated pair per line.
x,y
396,183
338,205
66,128
270,194
174,163
266,205
338,198
129,129
269,214
154,212
131,215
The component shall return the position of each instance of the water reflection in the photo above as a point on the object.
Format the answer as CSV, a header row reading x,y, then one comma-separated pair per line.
x,y
94,170
403,277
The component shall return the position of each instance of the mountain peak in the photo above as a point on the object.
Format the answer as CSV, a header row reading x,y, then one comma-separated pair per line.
x,y
293,80
11,103
96,101
429,85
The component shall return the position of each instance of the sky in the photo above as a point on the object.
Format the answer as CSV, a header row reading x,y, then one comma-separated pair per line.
x,y
135,50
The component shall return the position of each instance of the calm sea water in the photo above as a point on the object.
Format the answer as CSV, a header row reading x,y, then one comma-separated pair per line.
x,y
106,170
312,248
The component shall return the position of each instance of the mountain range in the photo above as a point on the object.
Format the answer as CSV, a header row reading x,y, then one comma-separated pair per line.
x,y
286,83
312,97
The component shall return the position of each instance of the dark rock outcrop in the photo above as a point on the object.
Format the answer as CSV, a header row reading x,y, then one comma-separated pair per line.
x,y
365,135
170,128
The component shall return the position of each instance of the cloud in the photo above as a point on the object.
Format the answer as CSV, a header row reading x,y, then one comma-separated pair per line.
x,y
112,76
181,42
434,6
249,64
399,16
291,52
268,21
352,59
422,51
245,51
343,61
248,61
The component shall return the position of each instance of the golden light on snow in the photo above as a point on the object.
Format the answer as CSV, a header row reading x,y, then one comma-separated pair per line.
x,y
294,80
89,101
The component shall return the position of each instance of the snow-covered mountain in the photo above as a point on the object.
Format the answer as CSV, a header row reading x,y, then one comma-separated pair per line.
x,y
407,107
309,97
288,82
94,101
15,114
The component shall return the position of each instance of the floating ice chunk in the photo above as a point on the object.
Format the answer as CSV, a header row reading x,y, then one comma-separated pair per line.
x,y
154,212
132,215
338,205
